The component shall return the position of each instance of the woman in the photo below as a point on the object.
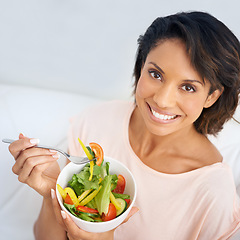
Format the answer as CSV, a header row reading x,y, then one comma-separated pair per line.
x,y
186,87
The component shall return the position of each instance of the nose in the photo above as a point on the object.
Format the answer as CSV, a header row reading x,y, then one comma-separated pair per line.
x,y
165,96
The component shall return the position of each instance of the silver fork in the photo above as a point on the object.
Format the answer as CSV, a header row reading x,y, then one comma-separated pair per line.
x,y
74,159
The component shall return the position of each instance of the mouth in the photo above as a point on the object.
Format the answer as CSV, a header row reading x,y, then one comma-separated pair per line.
x,y
161,116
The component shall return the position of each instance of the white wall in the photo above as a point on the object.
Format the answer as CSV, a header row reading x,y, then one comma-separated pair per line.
x,y
85,46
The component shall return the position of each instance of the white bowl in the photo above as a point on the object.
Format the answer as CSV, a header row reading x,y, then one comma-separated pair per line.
x,y
115,167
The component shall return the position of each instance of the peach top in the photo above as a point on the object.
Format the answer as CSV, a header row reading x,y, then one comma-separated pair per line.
x,y
200,204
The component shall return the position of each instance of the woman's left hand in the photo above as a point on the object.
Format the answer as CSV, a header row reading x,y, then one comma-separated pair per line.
x,y
73,231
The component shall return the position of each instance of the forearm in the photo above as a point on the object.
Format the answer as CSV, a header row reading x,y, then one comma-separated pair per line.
x,y
46,226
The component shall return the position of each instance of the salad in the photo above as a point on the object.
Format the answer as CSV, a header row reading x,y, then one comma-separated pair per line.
x,y
94,194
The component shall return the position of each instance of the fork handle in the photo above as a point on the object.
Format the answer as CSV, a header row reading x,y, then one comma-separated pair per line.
x,y
7,140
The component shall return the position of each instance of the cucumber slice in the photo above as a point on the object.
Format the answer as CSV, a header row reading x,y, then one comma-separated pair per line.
x,y
123,205
89,214
85,217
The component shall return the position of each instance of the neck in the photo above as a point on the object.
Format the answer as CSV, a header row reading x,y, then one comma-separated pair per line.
x,y
145,142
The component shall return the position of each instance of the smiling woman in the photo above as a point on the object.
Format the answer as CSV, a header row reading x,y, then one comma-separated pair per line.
x,y
181,96
187,81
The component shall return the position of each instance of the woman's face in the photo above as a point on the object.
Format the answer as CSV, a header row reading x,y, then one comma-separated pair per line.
x,y
170,94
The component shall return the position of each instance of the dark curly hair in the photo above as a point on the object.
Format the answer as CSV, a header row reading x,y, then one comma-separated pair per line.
x,y
214,52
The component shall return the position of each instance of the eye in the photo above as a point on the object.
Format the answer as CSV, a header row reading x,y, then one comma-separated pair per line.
x,y
188,88
155,74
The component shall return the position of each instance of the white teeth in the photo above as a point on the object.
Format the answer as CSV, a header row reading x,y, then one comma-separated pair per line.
x,y
162,116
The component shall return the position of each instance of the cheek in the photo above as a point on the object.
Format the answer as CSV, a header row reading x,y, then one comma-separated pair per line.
x,y
144,89
193,108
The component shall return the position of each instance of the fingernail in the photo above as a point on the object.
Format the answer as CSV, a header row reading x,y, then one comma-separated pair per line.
x,y
52,193
136,210
21,134
64,216
34,141
56,156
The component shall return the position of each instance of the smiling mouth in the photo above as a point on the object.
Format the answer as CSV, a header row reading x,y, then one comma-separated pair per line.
x,y
162,116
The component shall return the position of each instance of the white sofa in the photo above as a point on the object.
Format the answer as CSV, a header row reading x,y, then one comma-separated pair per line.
x,y
44,114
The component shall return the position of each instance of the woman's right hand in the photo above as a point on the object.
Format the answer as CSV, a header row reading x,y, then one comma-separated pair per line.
x,y
36,167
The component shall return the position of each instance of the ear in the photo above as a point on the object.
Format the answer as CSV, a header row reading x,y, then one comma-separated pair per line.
x,y
213,97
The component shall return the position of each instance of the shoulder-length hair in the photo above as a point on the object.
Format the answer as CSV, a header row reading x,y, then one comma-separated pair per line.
x,y
214,52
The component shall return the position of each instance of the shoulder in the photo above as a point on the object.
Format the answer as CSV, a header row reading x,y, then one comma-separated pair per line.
x,y
98,121
206,153
110,105
219,183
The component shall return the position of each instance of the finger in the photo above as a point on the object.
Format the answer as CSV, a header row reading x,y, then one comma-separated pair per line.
x,y
21,136
39,181
63,218
17,146
57,209
27,155
35,166
73,230
131,213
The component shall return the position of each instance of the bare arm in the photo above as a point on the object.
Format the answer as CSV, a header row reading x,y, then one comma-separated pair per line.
x,y
47,223
39,169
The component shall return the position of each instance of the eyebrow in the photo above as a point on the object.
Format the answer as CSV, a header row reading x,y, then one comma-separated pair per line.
x,y
192,81
156,66
187,80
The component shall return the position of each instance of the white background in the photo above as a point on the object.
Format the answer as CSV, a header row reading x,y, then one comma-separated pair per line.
x,y
85,46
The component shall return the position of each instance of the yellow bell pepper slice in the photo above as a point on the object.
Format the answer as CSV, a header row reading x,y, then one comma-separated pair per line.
x,y
72,195
91,170
89,156
90,197
61,191
114,201
84,194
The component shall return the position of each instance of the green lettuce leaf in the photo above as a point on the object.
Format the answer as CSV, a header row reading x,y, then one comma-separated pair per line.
x,y
122,196
83,178
71,209
102,199
114,181
76,185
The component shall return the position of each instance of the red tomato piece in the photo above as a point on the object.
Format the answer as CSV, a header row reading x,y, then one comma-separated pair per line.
x,y
86,209
120,185
112,213
128,201
98,151
68,200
